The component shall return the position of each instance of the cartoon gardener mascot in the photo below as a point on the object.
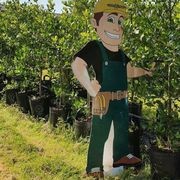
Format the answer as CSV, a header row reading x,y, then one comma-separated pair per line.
x,y
109,88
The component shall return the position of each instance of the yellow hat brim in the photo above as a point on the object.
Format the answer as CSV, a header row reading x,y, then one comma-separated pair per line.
x,y
123,13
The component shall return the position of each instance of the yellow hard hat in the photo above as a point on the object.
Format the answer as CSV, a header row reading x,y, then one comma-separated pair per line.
x,y
111,6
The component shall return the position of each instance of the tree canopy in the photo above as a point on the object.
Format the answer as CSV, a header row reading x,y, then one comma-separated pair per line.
x,y
34,38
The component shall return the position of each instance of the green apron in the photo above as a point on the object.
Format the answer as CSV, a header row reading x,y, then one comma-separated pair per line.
x,y
114,79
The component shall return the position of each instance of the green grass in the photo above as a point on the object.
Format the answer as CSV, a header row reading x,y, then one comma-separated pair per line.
x,y
31,150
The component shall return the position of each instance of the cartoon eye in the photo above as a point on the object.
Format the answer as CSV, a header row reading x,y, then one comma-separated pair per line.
x,y
110,19
121,21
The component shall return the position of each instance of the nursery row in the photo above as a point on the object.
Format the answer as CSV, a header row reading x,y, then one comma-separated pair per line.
x,y
46,106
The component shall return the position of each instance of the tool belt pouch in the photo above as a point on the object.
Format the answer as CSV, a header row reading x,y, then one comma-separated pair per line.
x,y
100,104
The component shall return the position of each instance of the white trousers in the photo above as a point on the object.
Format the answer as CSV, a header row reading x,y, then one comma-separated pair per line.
x,y
108,156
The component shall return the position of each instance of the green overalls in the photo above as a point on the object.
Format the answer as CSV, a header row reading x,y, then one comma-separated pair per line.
x,y
114,79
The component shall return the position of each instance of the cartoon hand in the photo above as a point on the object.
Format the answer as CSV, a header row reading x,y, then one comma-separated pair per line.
x,y
95,87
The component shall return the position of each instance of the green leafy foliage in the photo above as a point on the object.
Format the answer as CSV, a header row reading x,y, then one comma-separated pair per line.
x,y
152,35
74,31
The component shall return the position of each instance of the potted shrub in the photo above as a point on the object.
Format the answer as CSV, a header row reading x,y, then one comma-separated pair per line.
x,y
10,85
26,86
57,106
10,91
2,83
82,117
39,104
60,71
165,155
153,36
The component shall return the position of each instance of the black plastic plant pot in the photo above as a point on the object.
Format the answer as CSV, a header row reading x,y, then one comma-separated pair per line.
x,y
2,85
135,126
136,109
54,114
82,128
66,112
23,101
82,93
134,143
39,106
11,96
165,164
31,93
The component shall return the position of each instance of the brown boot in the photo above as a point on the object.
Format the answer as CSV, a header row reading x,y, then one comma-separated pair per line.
x,y
128,160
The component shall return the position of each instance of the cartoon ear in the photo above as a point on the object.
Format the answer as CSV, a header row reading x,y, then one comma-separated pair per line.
x,y
93,22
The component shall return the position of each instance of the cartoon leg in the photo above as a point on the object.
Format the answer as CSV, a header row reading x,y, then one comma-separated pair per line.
x,y
121,154
99,134
120,144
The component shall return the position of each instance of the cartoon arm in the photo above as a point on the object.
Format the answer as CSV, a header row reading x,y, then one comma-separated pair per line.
x,y
79,67
134,72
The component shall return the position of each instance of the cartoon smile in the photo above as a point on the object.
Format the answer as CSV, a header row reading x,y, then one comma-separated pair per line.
x,y
112,36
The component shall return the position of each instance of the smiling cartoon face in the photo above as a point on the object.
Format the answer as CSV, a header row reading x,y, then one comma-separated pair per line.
x,y
110,28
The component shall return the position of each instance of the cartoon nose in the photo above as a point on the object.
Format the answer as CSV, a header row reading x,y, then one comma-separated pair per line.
x,y
117,28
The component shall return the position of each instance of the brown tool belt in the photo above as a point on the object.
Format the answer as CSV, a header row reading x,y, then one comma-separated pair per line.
x,y
100,103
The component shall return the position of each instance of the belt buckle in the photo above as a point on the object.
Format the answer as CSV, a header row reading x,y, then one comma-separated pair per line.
x,y
119,95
